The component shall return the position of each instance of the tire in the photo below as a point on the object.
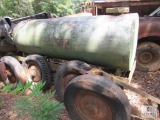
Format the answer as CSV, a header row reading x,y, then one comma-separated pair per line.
x,y
14,70
65,73
3,75
148,57
37,69
93,97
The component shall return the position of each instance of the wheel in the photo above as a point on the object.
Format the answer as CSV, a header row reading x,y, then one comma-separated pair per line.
x,y
148,57
3,75
93,97
14,71
37,70
65,73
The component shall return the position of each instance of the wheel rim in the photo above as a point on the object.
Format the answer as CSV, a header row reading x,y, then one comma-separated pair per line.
x,y
10,75
92,107
66,79
34,71
147,57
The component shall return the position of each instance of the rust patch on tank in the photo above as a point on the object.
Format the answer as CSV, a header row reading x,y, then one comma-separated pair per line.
x,y
61,42
149,27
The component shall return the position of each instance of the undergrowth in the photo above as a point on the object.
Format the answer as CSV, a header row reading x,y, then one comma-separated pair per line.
x,y
38,105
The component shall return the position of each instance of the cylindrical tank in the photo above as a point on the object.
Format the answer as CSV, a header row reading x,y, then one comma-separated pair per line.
x,y
108,41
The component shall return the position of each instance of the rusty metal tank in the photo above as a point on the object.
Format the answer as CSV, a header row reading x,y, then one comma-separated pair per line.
x,y
108,41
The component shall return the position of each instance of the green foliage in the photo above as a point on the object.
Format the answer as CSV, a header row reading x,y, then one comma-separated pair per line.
x,y
7,88
20,8
38,105
75,5
57,7
20,89
15,8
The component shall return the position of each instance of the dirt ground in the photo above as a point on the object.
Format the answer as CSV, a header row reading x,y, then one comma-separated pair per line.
x,y
148,82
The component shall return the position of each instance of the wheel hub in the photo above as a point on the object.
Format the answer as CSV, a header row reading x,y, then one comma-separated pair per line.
x,y
10,75
66,79
92,107
34,72
146,57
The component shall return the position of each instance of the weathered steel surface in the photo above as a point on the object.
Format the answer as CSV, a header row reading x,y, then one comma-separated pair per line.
x,y
2,28
43,15
149,26
5,38
103,40
135,6
3,75
116,3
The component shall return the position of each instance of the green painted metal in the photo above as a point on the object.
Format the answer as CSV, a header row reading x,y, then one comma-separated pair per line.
x,y
108,41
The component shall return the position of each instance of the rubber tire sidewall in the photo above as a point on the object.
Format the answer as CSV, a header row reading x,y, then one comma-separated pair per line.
x,y
44,67
17,69
62,70
154,47
108,90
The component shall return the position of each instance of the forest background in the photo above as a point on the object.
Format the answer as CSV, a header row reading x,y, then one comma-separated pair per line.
x,y
21,8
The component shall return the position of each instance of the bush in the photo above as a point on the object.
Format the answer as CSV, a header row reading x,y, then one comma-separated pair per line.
x,y
40,106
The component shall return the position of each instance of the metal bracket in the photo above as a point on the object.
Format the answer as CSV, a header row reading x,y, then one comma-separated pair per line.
x,y
155,13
